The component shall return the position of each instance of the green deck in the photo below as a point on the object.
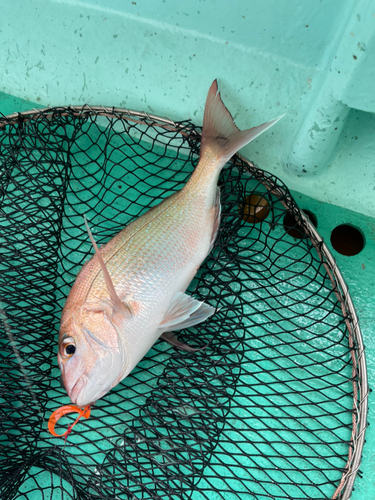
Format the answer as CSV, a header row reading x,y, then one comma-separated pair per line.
x,y
313,60
358,272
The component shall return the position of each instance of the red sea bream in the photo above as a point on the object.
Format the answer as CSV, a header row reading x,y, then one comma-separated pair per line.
x,y
132,291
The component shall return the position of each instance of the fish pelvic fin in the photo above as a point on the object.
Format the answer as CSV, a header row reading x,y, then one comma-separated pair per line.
x,y
219,130
184,312
114,301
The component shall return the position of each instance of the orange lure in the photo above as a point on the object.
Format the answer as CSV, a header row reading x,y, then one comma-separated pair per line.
x,y
60,412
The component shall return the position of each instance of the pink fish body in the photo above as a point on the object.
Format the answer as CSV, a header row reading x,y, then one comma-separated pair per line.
x,y
131,292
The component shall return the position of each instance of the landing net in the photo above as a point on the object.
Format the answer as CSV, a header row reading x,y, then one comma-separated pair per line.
x,y
275,406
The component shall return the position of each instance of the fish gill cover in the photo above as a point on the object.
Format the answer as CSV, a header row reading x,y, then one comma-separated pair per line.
x,y
273,407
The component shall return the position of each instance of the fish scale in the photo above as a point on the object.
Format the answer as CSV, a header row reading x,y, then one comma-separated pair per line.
x,y
151,253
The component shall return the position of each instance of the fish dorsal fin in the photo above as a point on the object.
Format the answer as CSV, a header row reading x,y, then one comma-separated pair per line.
x,y
183,312
114,301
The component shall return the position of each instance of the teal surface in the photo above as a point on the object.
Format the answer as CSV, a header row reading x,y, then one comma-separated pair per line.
x,y
313,60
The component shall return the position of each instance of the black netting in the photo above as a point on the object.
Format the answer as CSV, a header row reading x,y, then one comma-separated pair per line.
x,y
269,409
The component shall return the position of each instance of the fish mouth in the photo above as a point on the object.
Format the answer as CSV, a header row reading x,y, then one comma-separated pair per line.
x,y
77,394
77,389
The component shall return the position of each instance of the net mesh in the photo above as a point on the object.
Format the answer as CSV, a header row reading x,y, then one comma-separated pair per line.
x,y
270,409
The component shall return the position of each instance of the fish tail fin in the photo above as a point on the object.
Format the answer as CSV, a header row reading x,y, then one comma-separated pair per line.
x,y
220,131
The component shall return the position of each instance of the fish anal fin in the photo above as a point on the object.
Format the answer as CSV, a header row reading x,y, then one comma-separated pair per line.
x,y
173,340
184,311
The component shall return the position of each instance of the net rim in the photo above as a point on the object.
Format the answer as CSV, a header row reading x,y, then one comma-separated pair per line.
x,y
360,378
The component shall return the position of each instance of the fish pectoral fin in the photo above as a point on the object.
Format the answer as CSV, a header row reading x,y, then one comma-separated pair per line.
x,y
122,308
109,308
184,311
173,340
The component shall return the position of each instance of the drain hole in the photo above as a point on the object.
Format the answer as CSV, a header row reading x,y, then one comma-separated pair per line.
x,y
255,209
347,240
292,227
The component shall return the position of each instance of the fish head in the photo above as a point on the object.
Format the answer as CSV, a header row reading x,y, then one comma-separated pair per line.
x,y
91,356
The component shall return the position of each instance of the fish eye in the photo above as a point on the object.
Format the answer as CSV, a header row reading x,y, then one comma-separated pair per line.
x,y
68,347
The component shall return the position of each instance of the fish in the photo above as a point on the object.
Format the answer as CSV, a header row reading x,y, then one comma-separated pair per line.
x,y
132,291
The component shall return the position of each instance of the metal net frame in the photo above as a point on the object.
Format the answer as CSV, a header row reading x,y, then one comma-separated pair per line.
x,y
274,407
